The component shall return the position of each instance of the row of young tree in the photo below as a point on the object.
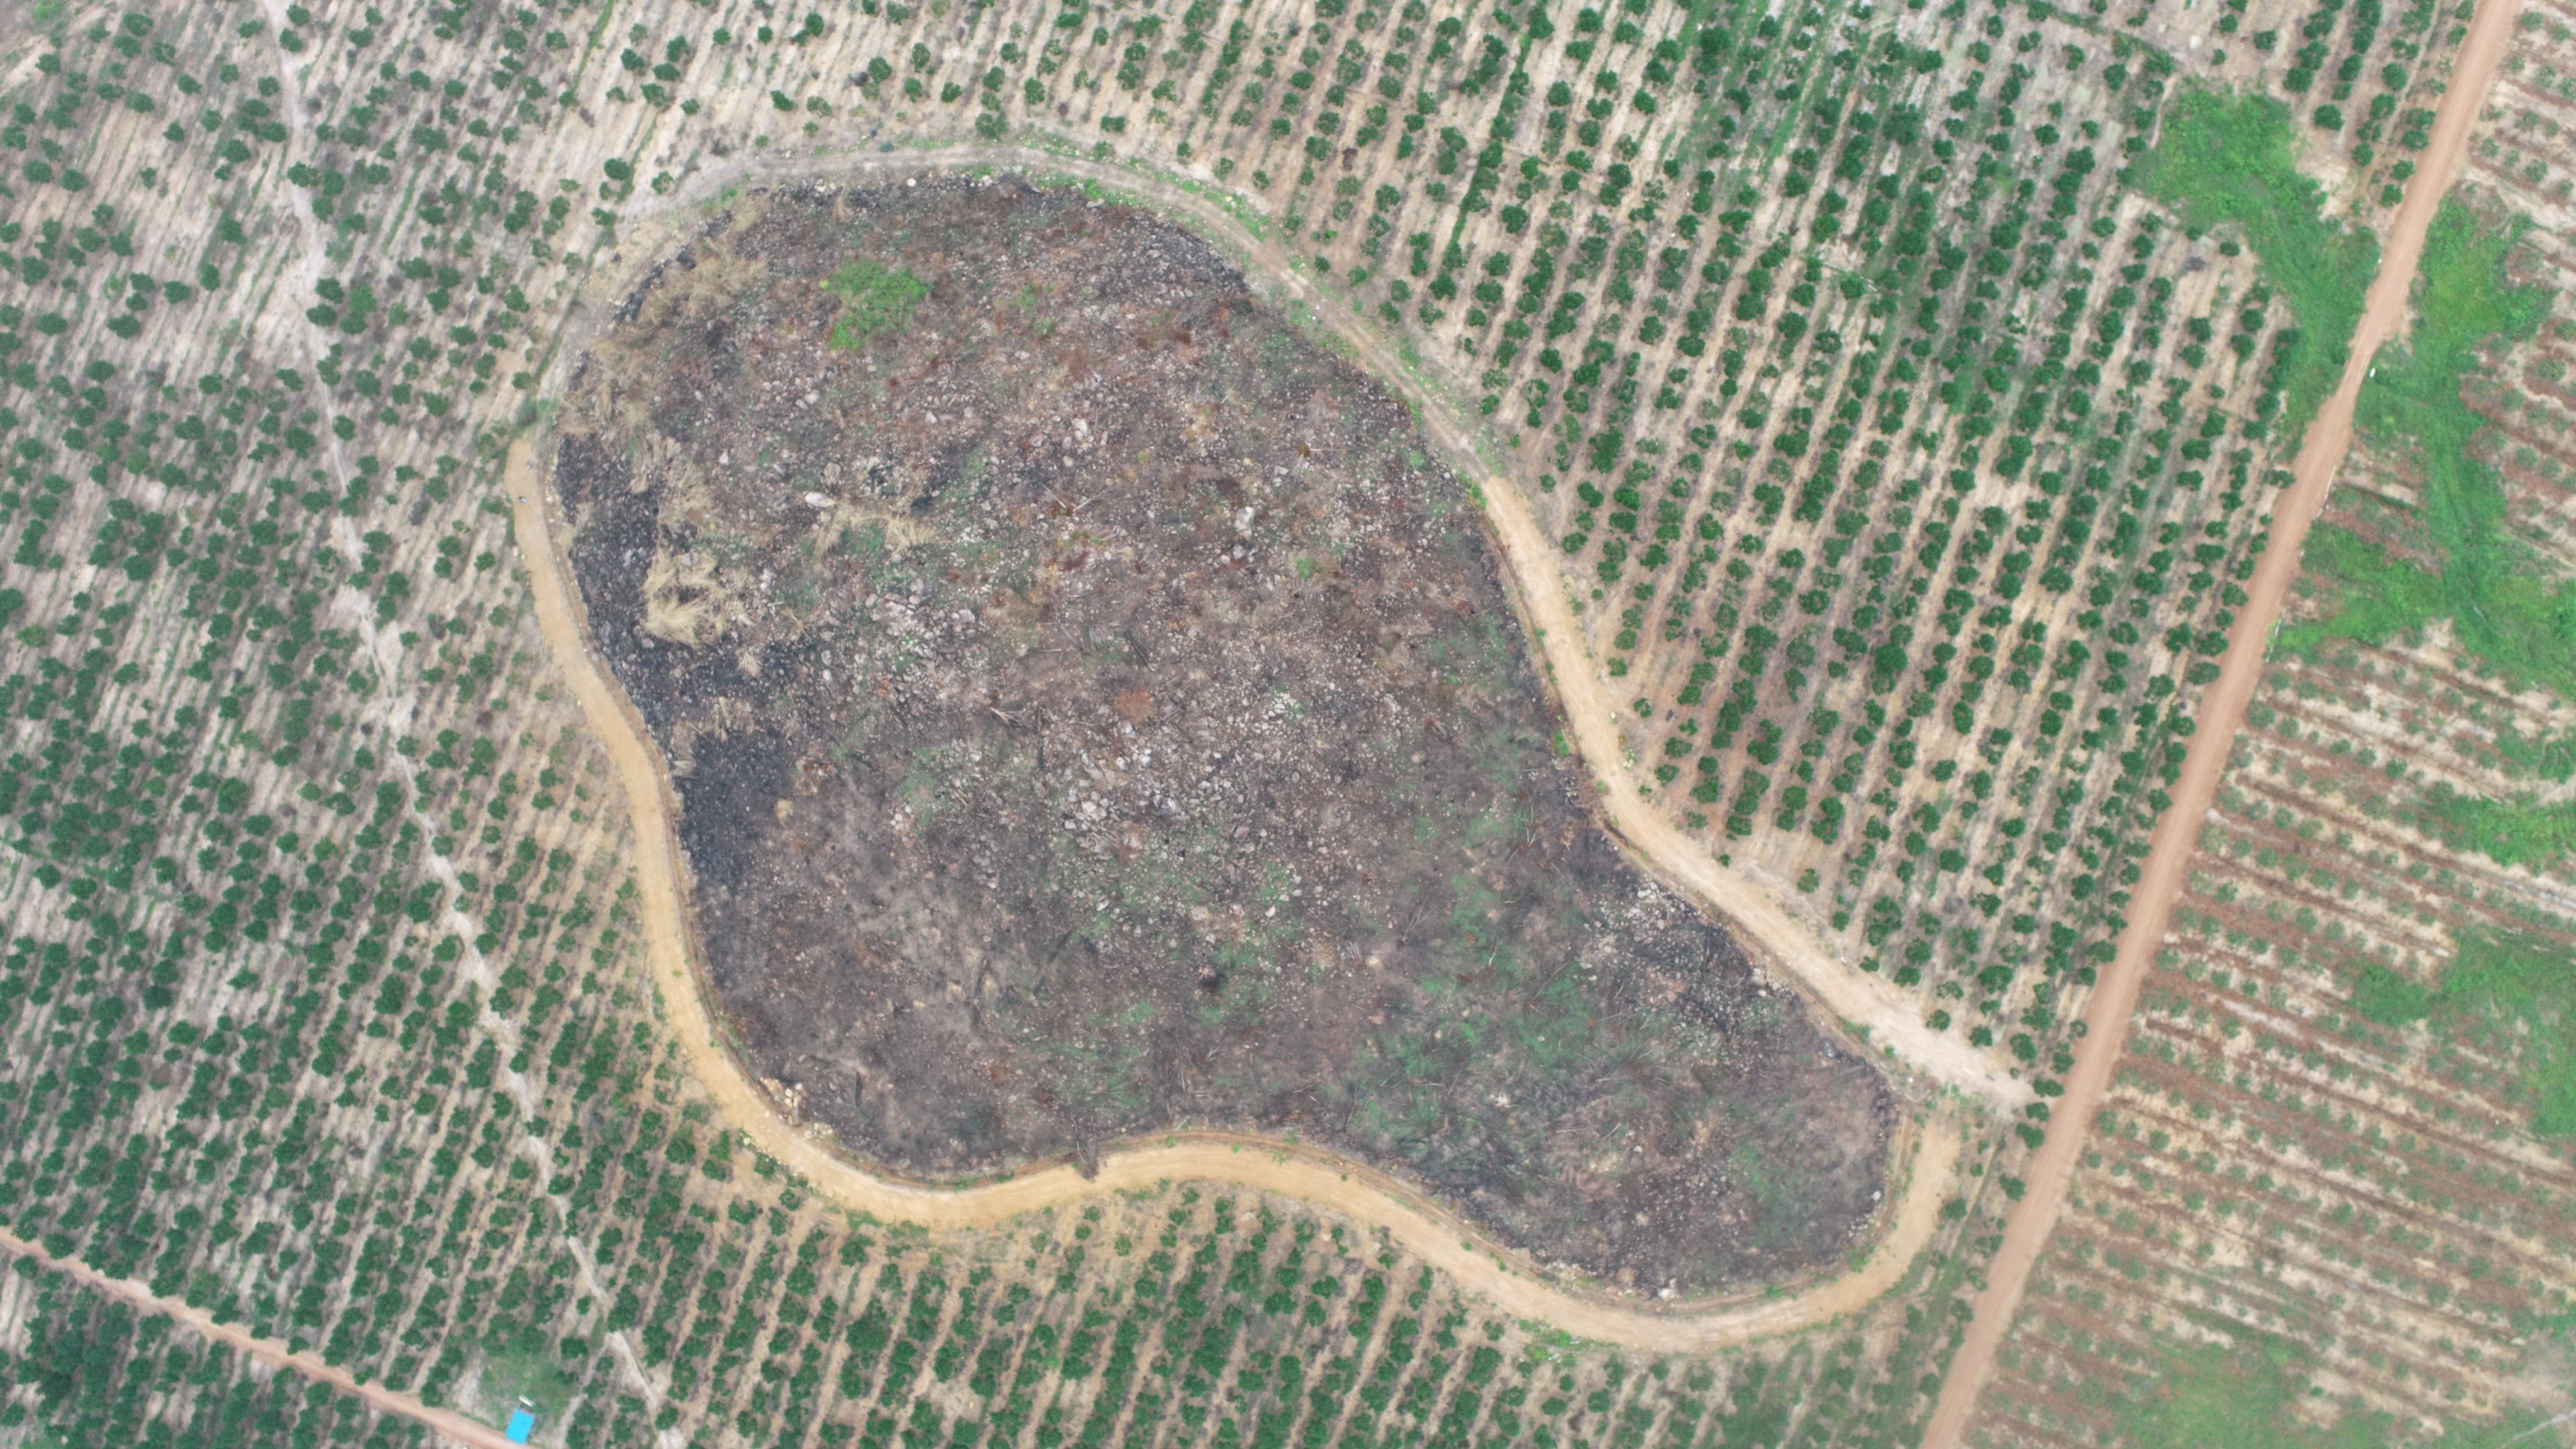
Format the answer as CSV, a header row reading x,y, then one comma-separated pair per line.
x,y
289,950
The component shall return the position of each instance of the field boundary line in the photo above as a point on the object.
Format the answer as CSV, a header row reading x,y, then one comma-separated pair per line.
x,y
447,1423
2051,1171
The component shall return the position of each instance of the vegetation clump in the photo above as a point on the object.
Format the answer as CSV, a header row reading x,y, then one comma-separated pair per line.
x,y
2516,992
875,300
2508,605
2231,159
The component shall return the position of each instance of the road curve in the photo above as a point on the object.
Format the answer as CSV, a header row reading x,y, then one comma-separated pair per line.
x,y
1932,1149
449,1425
1849,999
1889,1020
1370,1196
2222,714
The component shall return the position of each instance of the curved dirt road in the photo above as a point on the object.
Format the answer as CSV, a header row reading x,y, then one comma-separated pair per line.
x,y
1409,1217
1849,998
449,1425
1886,1019
2222,713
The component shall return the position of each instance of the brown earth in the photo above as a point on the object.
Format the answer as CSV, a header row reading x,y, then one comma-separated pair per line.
x,y
1095,714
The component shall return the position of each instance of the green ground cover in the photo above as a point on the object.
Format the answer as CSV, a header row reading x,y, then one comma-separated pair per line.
x,y
2509,982
2551,757
2226,159
2213,1396
2521,831
2503,602
2369,596
2503,606
2390,999
2519,989
875,298
521,1363
2243,1396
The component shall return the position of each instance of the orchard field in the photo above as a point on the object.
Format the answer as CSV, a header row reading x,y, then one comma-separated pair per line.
x,y
2340,1136
1904,386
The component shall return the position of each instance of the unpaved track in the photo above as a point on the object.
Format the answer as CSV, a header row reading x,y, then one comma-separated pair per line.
x,y
1890,1020
1374,1198
2222,714
1850,999
1929,1155
446,1423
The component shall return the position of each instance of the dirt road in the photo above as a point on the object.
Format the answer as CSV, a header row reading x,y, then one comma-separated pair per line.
x,y
1440,1237
449,1425
2222,713
1592,717
1848,997
1850,1000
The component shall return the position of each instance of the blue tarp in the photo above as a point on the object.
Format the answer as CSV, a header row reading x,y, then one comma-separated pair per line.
x,y
522,1424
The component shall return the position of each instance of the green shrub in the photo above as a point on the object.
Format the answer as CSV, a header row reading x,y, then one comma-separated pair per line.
x,y
875,299
2225,159
2389,999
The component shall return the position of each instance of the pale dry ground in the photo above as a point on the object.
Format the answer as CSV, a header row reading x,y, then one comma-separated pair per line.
x,y
2222,714
449,1425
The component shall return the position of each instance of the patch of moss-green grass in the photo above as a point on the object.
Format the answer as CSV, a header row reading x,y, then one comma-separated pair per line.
x,y
2508,832
2369,597
875,299
2218,1396
2231,160
2510,990
2505,606
2504,603
2389,999
2551,757
2522,990
2241,1396
520,1365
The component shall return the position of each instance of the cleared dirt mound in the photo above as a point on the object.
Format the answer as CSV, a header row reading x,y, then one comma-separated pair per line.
x,y
1094,714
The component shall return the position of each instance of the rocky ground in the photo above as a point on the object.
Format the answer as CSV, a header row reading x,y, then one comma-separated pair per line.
x,y
1094,713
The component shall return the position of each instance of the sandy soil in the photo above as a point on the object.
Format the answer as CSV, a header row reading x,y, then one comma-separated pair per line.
x,y
2221,714
450,1426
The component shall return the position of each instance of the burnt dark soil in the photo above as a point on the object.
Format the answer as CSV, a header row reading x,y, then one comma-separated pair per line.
x,y
1093,713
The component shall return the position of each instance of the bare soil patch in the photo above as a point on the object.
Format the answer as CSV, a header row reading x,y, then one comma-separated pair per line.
x,y
1094,713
